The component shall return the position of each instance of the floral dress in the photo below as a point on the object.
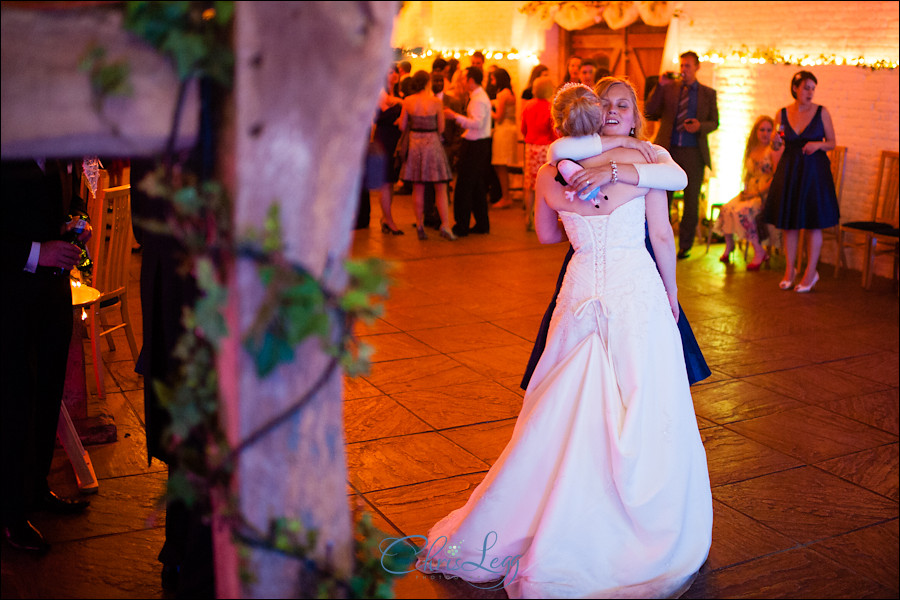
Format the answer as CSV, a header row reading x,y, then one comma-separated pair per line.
x,y
741,215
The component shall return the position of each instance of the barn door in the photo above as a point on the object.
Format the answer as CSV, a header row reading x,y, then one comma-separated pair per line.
x,y
634,51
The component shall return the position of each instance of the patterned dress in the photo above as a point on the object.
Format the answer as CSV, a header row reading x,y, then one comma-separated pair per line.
x,y
427,160
741,214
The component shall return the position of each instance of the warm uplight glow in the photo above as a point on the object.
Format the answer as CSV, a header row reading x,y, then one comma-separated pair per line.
x,y
83,314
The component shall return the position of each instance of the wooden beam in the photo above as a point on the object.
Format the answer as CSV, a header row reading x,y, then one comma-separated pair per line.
x,y
45,100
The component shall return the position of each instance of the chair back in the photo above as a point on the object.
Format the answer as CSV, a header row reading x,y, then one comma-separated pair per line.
x,y
888,189
113,232
837,156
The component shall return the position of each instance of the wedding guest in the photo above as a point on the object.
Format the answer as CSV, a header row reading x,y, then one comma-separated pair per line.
x,y
741,216
802,194
688,113
537,71
538,133
423,117
37,330
505,139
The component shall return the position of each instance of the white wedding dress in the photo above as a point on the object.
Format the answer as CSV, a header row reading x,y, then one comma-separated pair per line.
x,y
603,490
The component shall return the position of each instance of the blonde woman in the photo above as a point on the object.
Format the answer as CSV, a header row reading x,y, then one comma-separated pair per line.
x,y
739,217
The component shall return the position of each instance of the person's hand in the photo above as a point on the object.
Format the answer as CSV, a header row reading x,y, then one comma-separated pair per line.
x,y
85,235
776,143
449,114
811,147
59,254
691,125
591,178
664,79
673,304
645,148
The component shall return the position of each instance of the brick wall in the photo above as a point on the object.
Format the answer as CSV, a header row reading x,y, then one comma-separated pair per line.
x,y
863,103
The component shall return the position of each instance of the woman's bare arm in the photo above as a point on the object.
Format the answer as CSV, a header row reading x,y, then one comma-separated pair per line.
x,y
663,241
546,221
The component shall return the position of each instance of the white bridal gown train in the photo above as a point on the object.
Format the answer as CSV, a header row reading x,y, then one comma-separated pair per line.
x,y
603,490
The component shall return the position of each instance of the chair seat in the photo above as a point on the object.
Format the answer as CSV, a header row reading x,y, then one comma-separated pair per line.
x,y
892,232
868,226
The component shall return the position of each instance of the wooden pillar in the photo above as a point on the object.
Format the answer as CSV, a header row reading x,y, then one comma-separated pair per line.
x,y
307,81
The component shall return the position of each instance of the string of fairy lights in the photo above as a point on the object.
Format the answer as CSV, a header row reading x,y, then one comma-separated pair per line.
x,y
772,56
458,53
768,56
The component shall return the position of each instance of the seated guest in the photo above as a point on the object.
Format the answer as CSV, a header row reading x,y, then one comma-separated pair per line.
x,y
741,215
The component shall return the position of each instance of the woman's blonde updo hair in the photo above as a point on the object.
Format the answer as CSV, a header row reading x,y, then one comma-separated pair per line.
x,y
576,111
602,87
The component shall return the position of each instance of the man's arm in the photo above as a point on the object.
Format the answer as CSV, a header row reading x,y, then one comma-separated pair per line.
x,y
479,111
711,123
653,109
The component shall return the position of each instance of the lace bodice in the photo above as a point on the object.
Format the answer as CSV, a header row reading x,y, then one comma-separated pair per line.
x,y
611,269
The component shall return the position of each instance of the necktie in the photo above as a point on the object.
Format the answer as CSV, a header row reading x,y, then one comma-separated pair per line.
x,y
683,102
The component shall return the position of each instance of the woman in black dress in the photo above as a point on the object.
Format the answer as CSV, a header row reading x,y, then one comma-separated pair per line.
x,y
387,134
802,193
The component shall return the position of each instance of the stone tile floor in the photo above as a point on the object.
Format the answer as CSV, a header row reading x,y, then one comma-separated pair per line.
x,y
799,421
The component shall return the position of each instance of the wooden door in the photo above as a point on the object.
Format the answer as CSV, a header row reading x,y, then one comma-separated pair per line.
x,y
634,52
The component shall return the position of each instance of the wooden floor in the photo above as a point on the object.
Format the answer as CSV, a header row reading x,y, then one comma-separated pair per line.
x,y
799,421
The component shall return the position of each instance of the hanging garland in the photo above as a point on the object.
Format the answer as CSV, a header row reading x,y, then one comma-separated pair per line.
x,y
772,56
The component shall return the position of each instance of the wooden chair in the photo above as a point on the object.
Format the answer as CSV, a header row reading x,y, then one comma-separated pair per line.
x,y
111,254
882,227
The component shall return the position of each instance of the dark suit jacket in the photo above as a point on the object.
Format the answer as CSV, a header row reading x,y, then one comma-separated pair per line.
x,y
663,107
36,205
165,290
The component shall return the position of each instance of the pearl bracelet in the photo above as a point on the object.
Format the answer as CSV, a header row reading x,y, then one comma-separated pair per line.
x,y
615,171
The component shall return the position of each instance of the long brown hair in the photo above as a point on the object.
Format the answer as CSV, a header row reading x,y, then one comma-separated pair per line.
x,y
753,140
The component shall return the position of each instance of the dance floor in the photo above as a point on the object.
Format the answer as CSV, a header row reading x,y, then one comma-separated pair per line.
x,y
799,420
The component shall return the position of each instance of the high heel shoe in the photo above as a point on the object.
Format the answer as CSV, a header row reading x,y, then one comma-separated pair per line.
x,y
788,283
447,235
420,231
805,289
754,266
385,228
726,258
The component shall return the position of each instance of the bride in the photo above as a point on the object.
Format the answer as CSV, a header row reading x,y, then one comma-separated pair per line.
x,y
603,490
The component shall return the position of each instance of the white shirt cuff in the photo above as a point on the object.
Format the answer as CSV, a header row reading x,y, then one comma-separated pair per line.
x,y
32,263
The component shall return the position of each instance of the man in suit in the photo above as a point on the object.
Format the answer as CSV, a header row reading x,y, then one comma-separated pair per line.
x,y
687,112
37,330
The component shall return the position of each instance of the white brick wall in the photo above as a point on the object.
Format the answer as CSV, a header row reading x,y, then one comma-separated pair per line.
x,y
863,103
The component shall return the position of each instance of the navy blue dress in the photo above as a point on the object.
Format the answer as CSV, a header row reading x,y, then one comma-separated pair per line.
x,y
802,193
697,369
